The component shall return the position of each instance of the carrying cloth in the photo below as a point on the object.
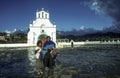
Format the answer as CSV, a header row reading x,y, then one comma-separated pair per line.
x,y
38,53
47,45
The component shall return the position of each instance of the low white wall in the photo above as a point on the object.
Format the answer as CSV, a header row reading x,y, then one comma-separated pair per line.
x,y
92,42
99,42
16,45
75,43
60,45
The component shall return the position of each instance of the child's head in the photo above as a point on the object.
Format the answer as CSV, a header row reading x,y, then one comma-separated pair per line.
x,y
39,43
50,49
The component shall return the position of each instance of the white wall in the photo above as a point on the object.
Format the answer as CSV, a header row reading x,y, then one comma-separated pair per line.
x,y
59,45
41,23
16,45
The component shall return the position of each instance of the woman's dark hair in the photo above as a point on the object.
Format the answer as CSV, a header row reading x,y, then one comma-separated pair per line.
x,y
38,42
48,37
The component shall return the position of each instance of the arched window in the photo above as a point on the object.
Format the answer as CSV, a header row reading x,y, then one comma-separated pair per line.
x,y
33,33
39,15
45,15
42,31
42,14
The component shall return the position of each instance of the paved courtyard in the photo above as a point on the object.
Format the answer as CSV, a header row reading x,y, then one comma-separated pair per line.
x,y
82,62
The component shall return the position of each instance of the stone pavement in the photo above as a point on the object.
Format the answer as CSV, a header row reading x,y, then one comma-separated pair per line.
x,y
82,62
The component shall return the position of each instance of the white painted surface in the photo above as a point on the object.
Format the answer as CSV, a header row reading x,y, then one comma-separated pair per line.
x,y
16,45
60,45
41,23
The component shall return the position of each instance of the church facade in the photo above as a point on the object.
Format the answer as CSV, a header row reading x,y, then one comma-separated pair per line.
x,y
41,27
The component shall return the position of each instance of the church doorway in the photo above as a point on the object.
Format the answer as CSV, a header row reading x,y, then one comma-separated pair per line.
x,y
42,37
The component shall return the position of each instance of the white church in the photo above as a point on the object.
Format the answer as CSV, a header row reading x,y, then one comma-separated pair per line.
x,y
41,27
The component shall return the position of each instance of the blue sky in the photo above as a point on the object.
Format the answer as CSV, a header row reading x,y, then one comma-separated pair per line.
x,y
67,14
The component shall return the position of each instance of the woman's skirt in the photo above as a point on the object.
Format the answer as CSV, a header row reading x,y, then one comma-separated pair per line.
x,y
39,63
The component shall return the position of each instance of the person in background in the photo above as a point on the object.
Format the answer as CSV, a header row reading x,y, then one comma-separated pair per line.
x,y
72,44
38,55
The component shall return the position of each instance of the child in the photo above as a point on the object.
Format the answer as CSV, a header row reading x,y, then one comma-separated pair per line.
x,y
54,54
38,55
48,62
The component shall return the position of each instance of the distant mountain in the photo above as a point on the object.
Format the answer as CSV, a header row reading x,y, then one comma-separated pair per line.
x,y
79,32
103,34
115,29
20,32
93,36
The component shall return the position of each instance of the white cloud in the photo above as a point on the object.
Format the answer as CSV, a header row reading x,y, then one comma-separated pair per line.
x,y
15,30
94,6
7,31
94,3
82,27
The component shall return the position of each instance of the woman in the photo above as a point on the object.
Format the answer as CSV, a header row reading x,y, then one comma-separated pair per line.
x,y
38,55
